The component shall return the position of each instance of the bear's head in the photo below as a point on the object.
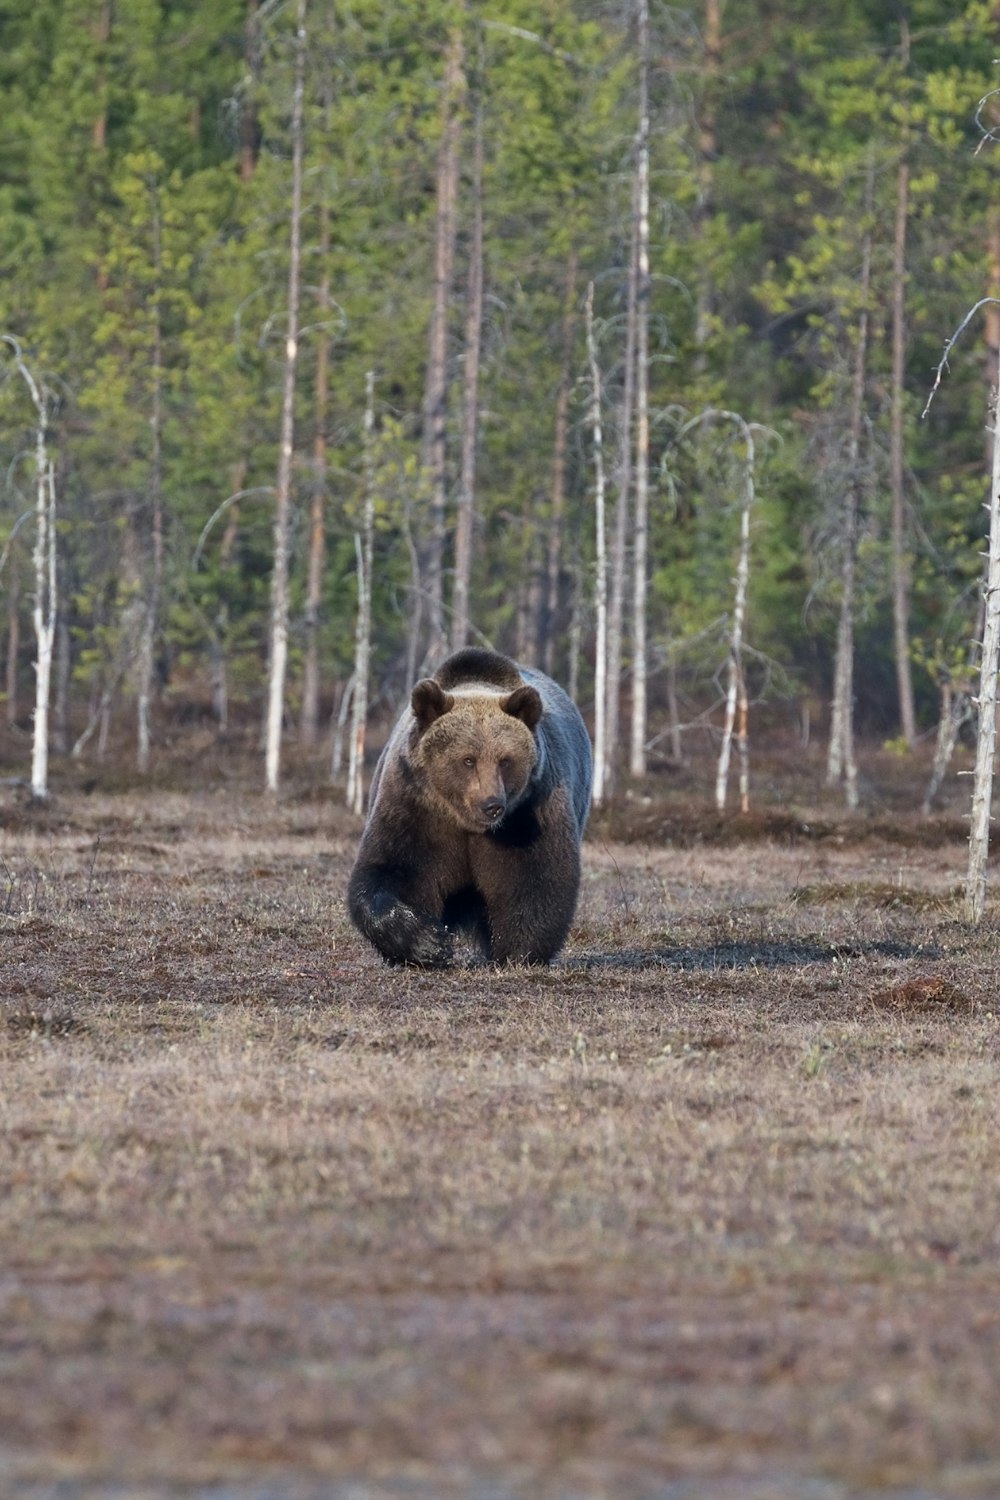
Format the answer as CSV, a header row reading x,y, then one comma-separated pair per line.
x,y
475,751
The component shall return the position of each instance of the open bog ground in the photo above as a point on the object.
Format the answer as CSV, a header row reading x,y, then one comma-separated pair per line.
x,y
711,1209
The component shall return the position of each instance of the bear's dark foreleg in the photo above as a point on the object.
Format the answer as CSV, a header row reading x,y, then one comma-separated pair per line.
x,y
529,915
400,932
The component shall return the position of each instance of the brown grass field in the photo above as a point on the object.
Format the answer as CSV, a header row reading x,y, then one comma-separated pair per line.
x,y
710,1210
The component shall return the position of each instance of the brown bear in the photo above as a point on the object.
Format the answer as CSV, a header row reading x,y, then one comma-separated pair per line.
x,y
476,812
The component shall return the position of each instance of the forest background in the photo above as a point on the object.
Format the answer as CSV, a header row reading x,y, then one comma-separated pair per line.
x,y
428,198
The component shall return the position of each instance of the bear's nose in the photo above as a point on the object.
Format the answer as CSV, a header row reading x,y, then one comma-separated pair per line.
x,y
492,807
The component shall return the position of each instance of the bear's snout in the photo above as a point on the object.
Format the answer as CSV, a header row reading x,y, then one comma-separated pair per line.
x,y
493,808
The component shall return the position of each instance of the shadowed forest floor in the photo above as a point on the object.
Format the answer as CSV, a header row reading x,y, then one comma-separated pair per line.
x,y
709,1209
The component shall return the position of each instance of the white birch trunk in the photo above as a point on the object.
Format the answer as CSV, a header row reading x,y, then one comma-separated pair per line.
x,y
900,560
601,557
279,575
982,795
151,613
639,583
470,407
364,544
436,395
45,604
616,601
736,696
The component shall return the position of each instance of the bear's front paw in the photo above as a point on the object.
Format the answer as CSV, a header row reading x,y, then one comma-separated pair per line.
x,y
432,947
404,936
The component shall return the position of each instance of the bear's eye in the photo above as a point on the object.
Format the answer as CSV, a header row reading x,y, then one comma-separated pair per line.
x,y
470,761
505,762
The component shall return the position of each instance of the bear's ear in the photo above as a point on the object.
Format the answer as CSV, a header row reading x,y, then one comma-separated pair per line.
x,y
429,701
525,704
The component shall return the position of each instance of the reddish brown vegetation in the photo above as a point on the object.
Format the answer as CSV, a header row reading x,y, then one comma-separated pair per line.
x,y
714,1198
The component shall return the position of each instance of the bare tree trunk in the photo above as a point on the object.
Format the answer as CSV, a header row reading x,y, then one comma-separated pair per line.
x,y
64,666
470,404
986,743
341,714
575,627
956,710
616,608
151,615
736,693
309,725
706,160
600,549
13,632
99,131
364,545
249,125
900,557
44,608
282,505
841,759
553,570
992,319
436,397
219,666
639,585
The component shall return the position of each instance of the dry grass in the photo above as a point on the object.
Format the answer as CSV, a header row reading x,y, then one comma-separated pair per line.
x,y
712,1202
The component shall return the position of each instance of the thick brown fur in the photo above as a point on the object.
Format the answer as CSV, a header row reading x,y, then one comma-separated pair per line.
x,y
477,809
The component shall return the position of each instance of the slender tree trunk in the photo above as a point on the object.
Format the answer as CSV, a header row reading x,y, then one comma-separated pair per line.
x,y
64,667
309,729
986,743
639,585
737,708
992,319
707,147
151,613
841,763
364,546
436,398
45,604
282,507
618,569
249,124
956,710
600,551
470,403
554,565
900,554
13,631
219,664
99,132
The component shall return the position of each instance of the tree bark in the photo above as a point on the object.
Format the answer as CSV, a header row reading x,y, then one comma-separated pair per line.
x,y
309,725
249,124
618,567
639,583
737,707
364,544
900,553
470,403
554,564
13,632
282,507
436,397
841,763
707,146
986,743
45,604
600,552
154,582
